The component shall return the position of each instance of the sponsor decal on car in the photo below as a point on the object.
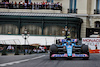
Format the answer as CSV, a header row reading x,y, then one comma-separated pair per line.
x,y
79,55
59,55
66,55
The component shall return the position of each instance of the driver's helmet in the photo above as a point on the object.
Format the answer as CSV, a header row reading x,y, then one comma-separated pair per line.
x,y
68,38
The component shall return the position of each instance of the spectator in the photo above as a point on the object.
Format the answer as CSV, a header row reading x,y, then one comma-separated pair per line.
x,y
45,48
37,5
15,4
31,5
43,4
12,4
34,50
26,50
40,5
47,5
25,5
34,5
19,4
11,48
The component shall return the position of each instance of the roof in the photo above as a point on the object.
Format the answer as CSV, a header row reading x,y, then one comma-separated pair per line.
x,y
42,14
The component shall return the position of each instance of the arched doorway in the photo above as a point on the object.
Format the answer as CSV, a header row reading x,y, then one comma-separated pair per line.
x,y
33,29
8,29
53,30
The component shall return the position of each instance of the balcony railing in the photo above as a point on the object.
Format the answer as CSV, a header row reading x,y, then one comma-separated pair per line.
x,y
72,10
96,11
29,6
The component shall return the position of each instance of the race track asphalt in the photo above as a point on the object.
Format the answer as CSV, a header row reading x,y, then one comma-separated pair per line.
x,y
42,60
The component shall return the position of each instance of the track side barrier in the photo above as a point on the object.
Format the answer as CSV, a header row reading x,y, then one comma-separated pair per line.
x,y
95,51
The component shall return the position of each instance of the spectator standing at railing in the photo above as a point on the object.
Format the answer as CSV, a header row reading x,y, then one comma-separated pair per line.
x,y
43,4
31,5
15,4
37,5
12,4
47,5
25,5
52,5
34,5
40,5
19,4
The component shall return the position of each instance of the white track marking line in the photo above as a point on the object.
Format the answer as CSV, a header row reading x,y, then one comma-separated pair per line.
x,y
20,61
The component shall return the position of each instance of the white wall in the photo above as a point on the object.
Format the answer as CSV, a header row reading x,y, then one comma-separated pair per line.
x,y
42,40
29,10
82,6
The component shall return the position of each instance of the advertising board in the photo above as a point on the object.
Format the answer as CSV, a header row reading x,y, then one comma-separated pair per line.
x,y
93,43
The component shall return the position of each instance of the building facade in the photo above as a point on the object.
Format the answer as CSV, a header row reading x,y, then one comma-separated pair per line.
x,y
81,16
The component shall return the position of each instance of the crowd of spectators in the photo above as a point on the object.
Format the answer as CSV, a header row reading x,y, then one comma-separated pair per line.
x,y
31,5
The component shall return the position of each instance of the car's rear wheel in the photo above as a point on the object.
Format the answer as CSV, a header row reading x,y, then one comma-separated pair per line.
x,y
53,48
52,58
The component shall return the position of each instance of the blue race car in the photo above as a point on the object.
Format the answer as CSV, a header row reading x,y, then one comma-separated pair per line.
x,y
68,48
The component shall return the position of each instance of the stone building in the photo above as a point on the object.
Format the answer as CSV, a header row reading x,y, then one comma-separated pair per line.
x,y
81,16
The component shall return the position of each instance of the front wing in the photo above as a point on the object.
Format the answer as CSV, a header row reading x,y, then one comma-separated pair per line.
x,y
73,55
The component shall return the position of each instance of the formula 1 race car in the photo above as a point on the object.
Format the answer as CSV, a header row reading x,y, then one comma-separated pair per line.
x,y
69,49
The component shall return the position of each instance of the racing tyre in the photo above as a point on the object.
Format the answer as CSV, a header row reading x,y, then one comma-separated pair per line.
x,y
52,58
53,48
85,50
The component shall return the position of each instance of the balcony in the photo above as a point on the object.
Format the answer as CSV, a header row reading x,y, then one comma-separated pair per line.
x,y
72,11
96,11
30,8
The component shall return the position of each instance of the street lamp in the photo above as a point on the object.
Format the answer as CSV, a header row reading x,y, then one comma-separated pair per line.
x,y
66,30
25,35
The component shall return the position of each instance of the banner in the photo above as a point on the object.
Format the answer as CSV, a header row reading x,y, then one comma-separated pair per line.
x,y
93,43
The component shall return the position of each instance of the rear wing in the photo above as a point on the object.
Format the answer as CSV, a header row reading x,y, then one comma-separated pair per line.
x,y
65,40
